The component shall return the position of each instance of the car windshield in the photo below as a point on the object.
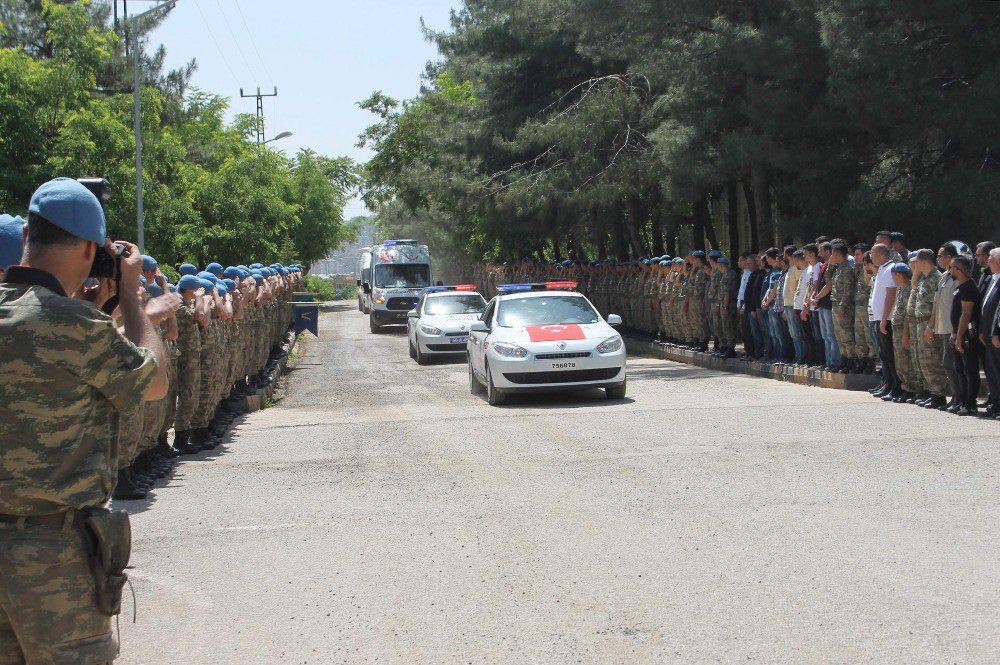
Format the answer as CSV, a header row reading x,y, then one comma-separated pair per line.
x,y
466,303
402,276
545,310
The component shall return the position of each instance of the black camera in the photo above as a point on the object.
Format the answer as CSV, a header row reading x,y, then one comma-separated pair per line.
x,y
106,265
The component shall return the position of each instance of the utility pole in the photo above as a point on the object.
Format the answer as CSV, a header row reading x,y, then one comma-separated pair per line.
x,y
260,110
137,110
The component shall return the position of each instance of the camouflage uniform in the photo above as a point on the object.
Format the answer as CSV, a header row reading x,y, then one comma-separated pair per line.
x,y
698,325
842,292
862,290
714,306
929,354
66,379
729,284
188,367
909,376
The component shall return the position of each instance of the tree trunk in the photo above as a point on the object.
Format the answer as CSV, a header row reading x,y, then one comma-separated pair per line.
x,y
732,192
752,213
620,246
671,232
700,220
632,226
762,198
658,230
713,239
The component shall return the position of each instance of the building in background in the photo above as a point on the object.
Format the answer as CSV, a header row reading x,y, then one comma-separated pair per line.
x,y
344,261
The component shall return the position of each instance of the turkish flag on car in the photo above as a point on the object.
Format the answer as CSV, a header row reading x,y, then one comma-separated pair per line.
x,y
555,332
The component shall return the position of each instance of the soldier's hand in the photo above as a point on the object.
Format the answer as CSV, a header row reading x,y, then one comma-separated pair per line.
x,y
928,335
131,267
162,307
996,341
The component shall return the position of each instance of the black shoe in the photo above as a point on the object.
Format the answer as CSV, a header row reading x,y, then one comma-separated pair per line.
x,y
125,489
967,411
935,402
892,395
954,408
882,392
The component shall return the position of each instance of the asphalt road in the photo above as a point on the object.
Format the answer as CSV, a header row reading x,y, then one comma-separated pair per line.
x,y
381,513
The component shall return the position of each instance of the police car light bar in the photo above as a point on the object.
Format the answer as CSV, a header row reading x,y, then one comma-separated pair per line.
x,y
547,286
457,287
393,243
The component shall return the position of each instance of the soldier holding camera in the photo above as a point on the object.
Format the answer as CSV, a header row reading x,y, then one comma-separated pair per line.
x,y
67,378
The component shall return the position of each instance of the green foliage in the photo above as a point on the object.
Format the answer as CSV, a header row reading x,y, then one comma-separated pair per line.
x,y
322,287
210,193
587,128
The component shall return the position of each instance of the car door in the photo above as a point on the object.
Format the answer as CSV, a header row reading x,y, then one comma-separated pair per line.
x,y
411,324
477,340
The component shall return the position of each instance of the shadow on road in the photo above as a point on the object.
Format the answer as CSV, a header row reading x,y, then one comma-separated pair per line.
x,y
579,399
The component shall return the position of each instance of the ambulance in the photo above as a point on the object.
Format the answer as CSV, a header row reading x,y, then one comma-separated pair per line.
x,y
400,271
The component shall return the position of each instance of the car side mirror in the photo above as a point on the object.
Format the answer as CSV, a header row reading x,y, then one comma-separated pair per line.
x,y
614,320
479,326
413,314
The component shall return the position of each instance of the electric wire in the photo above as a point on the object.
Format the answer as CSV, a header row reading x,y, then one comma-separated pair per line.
x,y
236,41
211,34
253,42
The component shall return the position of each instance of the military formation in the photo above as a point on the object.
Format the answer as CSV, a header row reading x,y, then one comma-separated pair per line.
x,y
102,356
827,305
223,345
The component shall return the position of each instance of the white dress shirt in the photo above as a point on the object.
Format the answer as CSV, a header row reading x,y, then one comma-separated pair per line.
x,y
883,282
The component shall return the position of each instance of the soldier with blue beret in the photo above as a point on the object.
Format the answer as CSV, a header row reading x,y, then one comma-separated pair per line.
x,y
11,241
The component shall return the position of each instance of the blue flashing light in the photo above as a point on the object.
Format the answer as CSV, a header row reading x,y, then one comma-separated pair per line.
x,y
514,288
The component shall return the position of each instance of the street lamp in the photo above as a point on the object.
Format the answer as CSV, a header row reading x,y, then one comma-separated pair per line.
x,y
136,88
282,135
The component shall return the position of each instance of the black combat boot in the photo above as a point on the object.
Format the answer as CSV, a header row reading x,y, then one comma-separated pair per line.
x,y
125,489
182,443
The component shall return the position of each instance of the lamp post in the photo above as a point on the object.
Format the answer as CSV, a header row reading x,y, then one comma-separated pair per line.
x,y
136,89
282,135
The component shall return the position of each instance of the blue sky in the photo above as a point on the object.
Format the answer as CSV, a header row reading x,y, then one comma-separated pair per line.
x,y
324,57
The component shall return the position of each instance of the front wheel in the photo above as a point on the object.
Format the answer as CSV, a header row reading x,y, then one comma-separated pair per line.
x,y
474,386
413,352
422,358
494,395
615,392
374,327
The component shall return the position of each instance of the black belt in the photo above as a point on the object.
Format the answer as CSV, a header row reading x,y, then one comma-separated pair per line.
x,y
66,519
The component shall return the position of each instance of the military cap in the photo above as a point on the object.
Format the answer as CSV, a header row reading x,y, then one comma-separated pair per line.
x,y
154,290
230,284
189,283
678,261
214,268
912,255
257,277
72,207
172,288
207,284
723,261
221,288
664,263
204,274
901,267
11,240
256,266
897,235
667,257
231,272
697,254
188,269
645,262
142,280
715,254
282,271
148,262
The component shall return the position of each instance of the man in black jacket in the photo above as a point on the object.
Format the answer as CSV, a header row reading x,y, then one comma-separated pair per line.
x,y
988,328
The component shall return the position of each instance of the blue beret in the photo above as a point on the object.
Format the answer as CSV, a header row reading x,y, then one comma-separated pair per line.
x,y
901,267
715,254
207,284
189,283
11,241
912,255
214,268
142,280
697,253
221,288
666,257
231,272
70,206
256,266
645,262
723,261
257,277
172,288
188,269
283,271
664,263
230,284
154,290
207,275
678,261
148,262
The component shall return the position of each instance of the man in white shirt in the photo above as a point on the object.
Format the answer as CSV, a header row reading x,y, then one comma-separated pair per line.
x,y
882,298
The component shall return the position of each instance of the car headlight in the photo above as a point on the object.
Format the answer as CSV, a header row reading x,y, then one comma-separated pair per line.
x,y
429,330
610,345
509,350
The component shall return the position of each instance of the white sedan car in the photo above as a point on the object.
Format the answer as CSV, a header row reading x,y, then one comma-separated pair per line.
x,y
439,325
544,337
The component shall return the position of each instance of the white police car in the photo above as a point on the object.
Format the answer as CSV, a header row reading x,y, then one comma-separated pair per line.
x,y
440,322
544,337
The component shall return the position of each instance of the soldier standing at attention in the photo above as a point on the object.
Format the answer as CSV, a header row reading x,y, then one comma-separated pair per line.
x,y
72,376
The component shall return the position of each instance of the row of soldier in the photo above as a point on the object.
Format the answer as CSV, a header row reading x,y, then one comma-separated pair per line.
x,y
822,306
221,328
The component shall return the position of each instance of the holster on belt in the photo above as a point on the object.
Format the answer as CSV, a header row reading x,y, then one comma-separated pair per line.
x,y
111,539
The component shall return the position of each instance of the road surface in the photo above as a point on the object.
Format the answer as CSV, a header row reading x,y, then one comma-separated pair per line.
x,y
381,513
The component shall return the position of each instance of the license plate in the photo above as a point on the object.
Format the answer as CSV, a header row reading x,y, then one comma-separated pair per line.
x,y
458,340
563,365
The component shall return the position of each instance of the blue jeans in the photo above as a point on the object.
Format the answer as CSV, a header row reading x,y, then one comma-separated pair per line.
x,y
778,335
764,317
798,340
819,346
829,337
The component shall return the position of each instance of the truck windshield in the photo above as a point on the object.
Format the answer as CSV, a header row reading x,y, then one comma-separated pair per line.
x,y
402,276
545,310
461,304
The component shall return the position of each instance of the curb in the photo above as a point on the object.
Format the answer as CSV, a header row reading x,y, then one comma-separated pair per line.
x,y
255,402
800,375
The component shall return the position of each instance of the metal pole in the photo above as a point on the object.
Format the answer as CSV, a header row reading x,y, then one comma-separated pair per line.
x,y
140,231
